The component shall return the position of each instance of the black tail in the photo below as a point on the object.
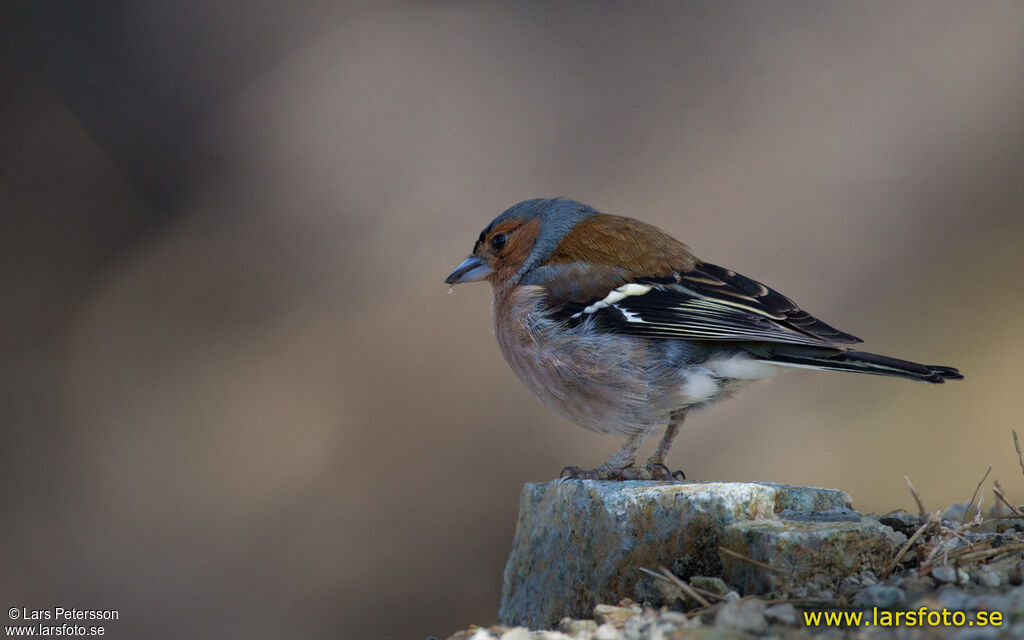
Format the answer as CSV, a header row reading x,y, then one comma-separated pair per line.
x,y
863,362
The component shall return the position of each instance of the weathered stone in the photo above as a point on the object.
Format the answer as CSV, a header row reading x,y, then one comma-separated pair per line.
x,y
988,578
881,596
950,574
615,616
916,588
900,520
609,632
742,615
952,597
480,633
783,613
804,551
660,625
581,542
714,585
1015,574
658,593
577,627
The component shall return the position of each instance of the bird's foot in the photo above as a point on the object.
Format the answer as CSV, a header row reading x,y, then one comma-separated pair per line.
x,y
572,472
659,471
649,471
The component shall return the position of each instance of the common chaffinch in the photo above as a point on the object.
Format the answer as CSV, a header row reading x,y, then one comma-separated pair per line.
x,y
620,328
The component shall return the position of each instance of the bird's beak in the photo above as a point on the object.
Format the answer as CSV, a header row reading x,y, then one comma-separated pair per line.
x,y
472,269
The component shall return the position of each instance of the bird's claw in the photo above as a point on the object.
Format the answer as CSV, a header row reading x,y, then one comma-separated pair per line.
x,y
658,471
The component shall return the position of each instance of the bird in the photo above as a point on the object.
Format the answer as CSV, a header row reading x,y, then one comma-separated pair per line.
x,y
620,328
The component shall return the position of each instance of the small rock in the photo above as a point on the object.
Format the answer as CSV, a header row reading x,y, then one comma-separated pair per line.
x,y
900,520
989,578
852,585
954,598
577,627
714,585
784,613
946,546
615,616
657,593
676,618
950,574
1017,630
955,513
480,633
881,596
659,625
1016,574
608,632
629,602
987,633
990,602
1017,597
742,615
1010,526
519,633
916,587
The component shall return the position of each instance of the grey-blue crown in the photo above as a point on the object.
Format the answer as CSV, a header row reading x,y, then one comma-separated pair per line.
x,y
557,217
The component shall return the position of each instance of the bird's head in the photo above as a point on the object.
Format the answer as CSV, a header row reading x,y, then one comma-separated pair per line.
x,y
519,240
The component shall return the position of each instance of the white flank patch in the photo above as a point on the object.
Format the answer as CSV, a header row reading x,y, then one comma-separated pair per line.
x,y
741,367
699,387
624,291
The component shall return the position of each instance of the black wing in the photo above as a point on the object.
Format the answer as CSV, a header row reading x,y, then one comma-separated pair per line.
x,y
705,303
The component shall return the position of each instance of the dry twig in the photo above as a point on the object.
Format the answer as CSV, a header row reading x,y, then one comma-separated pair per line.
x,y
983,523
1016,445
664,574
975,494
917,498
978,518
990,552
956,534
906,547
1002,498
957,554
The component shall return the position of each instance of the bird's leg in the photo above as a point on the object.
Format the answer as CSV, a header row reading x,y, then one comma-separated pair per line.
x,y
626,455
618,467
659,455
656,463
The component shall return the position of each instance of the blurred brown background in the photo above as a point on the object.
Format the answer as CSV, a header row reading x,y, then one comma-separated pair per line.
x,y
235,399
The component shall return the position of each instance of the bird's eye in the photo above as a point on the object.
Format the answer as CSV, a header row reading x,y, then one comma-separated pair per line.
x,y
498,242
